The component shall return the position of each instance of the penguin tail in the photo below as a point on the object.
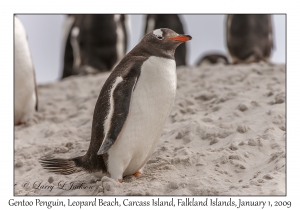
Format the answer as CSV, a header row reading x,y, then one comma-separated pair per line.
x,y
62,166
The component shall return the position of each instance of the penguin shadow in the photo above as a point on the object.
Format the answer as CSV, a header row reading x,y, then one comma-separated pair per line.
x,y
93,43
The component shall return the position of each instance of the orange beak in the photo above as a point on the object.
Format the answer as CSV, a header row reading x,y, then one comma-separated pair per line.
x,y
181,38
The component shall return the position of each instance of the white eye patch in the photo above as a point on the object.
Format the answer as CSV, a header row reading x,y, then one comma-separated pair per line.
x,y
158,33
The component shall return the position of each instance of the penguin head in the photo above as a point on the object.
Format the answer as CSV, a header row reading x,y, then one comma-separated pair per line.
x,y
165,40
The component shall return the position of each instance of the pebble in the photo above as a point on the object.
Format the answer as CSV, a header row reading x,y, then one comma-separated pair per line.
x,y
268,177
214,141
242,107
50,179
19,163
252,142
242,129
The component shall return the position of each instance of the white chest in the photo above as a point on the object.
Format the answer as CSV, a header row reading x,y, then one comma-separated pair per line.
x,y
157,83
154,94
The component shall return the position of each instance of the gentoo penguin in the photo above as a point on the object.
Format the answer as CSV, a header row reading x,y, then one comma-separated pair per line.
x,y
249,38
210,59
25,89
171,21
95,43
131,110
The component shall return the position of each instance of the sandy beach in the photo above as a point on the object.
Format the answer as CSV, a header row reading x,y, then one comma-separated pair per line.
x,y
226,135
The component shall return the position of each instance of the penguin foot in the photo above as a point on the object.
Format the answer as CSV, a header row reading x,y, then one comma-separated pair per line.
x,y
137,174
120,180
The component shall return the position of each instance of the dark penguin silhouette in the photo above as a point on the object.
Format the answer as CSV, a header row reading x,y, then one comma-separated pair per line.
x,y
131,111
249,38
171,21
95,43
214,58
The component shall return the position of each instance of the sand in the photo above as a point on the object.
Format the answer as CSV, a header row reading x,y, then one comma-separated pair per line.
x,y
226,135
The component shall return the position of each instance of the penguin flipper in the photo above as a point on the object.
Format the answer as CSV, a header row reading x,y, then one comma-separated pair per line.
x,y
121,101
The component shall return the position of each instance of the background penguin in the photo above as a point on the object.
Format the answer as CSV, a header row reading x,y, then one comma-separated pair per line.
x,y
95,43
131,110
170,21
212,59
25,89
249,38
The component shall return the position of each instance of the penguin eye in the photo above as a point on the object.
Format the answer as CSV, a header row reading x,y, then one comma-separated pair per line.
x,y
158,34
